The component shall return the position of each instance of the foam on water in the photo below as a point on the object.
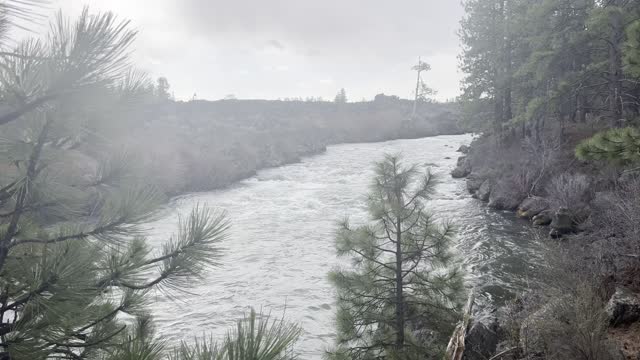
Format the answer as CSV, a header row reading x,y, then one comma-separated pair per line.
x,y
281,245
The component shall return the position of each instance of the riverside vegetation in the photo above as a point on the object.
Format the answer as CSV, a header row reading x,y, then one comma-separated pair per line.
x,y
553,88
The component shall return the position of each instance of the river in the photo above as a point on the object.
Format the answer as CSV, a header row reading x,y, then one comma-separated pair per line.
x,y
281,242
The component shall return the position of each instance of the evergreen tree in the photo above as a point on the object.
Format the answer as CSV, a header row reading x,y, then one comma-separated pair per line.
x,y
256,337
71,256
482,61
162,88
423,91
341,97
620,146
531,64
401,278
75,271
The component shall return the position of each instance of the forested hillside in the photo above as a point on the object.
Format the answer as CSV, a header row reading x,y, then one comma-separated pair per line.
x,y
553,86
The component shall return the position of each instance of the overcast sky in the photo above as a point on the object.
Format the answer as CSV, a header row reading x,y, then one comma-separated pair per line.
x,y
273,49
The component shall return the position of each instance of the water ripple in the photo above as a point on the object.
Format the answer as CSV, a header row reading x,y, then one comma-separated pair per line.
x,y
281,243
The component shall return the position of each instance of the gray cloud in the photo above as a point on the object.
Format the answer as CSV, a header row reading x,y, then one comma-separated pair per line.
x,y
287,48
331,27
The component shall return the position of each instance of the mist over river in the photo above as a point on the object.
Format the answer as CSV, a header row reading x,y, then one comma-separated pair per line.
x,y
281,244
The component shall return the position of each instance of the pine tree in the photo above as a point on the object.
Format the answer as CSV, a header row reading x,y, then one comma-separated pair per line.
x,y
529,64
162,89
632,49
401,278
423,92
256,337
75,271
72,258
621,146
341,97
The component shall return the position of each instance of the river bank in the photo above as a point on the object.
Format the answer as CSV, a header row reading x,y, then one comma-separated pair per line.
x,y
586,215
199,145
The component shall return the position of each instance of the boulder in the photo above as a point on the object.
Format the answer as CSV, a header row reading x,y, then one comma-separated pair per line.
x,y
504,196
543,219
463,168
623,307
484,192
474,181
532,206
561,223
464,149
481,341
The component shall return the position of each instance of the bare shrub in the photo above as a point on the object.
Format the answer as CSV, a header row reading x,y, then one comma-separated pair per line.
x,y
540,157
569,321
616,230
578,328
571,191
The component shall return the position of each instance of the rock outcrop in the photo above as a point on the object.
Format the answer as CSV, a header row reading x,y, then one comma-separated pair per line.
x,y
463,168
481,340
532,206
484,192
474,181
561,223
623,307
543,219
504,197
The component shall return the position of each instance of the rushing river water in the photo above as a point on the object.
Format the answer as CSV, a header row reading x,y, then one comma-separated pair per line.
x,y
281,243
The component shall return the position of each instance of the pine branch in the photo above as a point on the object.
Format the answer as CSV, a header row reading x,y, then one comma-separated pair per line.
x,y
26,108
5,242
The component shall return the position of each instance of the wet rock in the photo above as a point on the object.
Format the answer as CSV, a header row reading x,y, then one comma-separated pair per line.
x,y
623,307
463,149
484,192
447,158
561,223
532,206
543,219
463,169
481,341
474,181
504,197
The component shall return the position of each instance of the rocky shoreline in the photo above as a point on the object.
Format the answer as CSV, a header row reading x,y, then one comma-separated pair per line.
x,y
520,329
491,190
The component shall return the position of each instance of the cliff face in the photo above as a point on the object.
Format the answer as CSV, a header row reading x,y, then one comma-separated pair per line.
x,y
202,145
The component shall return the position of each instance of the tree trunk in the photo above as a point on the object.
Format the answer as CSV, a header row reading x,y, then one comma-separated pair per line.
x,y
580,108
498,70
615,66
508,63
399,290
415,101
